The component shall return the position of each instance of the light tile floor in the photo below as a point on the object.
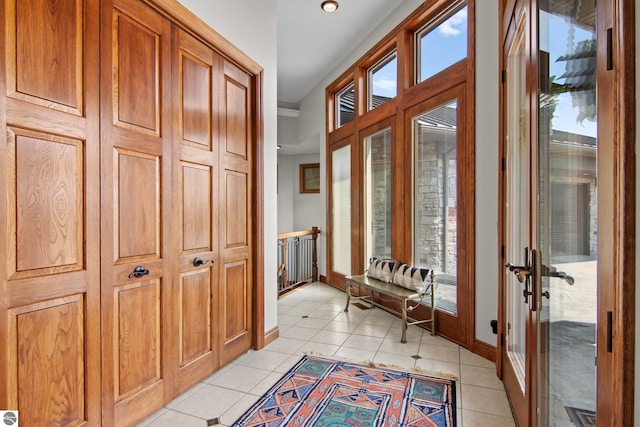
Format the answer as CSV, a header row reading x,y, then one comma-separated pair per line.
x,y
311,319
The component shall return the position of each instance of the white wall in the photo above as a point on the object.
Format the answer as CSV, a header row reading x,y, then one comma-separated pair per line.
x,y
487,141
285,193
312,122
255,33
308,209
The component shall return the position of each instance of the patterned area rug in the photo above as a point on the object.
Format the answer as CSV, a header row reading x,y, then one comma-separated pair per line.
x,y
325,392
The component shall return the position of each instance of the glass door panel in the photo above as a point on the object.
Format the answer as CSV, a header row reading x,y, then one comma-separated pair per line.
x,y
567,214
341,210
517,220
435,135
517,202
377,191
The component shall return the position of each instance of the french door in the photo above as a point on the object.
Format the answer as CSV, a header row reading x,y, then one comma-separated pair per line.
x,y
550,216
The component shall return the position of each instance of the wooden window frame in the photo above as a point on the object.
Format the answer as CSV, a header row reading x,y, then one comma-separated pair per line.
x,y
402,40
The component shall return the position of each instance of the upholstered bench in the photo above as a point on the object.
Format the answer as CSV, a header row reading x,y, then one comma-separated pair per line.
x,y
421,290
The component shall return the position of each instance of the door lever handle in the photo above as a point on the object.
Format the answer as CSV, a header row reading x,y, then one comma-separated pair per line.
x,y
197,261
138,272
552,272
520,271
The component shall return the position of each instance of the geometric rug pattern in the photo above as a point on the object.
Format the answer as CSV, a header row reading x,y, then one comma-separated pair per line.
x,y
323,392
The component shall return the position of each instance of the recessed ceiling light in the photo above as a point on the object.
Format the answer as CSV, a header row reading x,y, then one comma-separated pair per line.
x,y
329,6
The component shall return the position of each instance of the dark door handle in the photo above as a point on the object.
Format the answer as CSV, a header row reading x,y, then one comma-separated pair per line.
x,y
197,261
138,272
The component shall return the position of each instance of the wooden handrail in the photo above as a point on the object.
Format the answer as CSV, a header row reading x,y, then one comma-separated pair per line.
x,y
290,234
283,237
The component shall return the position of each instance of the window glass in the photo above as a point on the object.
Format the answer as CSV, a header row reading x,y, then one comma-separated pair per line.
x,y
442,45
341,209
345,105
383,81
377,161
435,197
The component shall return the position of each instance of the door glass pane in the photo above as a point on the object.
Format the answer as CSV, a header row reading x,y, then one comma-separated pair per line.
x,y
341,209
442,45
377,182
435,197
516,200
567,215
383,81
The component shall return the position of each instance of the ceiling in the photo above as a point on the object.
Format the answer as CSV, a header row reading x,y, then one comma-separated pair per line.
x,y
311,42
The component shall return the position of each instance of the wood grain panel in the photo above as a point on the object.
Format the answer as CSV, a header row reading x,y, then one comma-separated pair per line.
x,y
138,228
195,315
137,204
137,69
137,316
196,202
236,209
48,343
236,117
47,206
195,132
45,57
196,100
237,305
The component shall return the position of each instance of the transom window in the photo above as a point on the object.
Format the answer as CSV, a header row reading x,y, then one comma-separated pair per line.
x,y
442,44
383,81
345,105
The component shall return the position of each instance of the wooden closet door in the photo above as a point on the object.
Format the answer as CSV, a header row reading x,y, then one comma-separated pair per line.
x,y
49,212
235,222
196,139
136,201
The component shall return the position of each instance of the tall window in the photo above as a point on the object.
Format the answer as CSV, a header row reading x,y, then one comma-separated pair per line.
x,y
412,156
441,45
341,209
435,220
377,181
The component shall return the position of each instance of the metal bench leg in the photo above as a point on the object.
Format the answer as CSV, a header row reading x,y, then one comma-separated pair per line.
x,y
404,321
433,310
348,295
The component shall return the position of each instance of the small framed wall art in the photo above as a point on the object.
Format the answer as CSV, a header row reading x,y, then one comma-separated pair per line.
x,y
310,178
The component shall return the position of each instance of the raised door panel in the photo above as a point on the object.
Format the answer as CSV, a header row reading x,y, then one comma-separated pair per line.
x,y
195,315
195,163
46,52
236,117
236,213
50,211
137,64
47,346
196,199
137,202
237,318
46,210
137,238
196,105
137,308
